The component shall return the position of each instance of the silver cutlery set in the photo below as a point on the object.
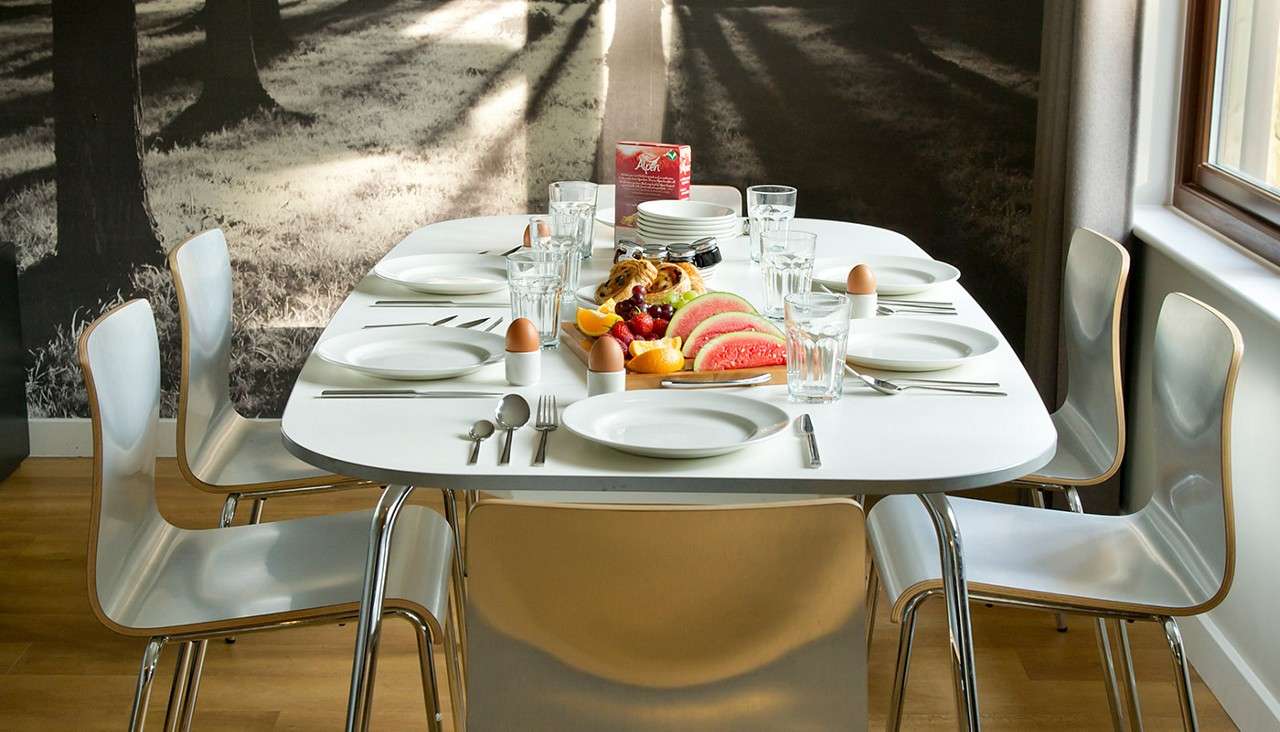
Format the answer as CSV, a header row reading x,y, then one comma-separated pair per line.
x,y
902,306
469,324
511,414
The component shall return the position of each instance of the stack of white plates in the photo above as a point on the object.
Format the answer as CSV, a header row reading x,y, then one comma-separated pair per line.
x,y
686,221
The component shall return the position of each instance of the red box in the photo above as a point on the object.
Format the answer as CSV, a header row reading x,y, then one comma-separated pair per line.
x,y
647,171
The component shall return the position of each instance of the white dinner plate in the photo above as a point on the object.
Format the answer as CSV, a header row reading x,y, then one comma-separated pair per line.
x,y
418,353
605,215
446,274
732,226
674,424
915,344
894,275
684,211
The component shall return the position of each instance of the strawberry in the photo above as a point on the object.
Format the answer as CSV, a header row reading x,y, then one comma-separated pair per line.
x,y
624,335
659,327
641,324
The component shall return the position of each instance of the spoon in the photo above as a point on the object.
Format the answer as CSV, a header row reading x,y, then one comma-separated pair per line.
x,y
480,431
511,415
888,387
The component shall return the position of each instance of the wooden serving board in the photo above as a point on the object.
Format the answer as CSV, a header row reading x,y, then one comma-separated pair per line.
x,y
579,345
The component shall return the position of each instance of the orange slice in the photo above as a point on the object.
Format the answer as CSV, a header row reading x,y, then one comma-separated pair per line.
x,y
639,347
658,361
595,323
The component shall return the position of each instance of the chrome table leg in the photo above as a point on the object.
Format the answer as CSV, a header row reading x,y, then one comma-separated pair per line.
x,y
178,691
193,685
906,635
1037,499
459,574
375,580
956,592
255,513
1109,673
873,590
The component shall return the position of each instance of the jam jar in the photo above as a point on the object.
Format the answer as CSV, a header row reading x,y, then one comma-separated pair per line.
x,y
706,253
627,249
656,253
677,253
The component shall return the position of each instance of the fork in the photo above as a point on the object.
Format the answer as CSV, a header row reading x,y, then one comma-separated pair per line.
x,y
547,421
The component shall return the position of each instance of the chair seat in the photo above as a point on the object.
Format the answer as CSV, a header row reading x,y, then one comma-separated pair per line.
x,y
649,498
1017,552
1081,458
301,569
248,454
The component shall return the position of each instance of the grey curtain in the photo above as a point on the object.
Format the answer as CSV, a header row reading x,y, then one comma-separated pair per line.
x,y
1087,121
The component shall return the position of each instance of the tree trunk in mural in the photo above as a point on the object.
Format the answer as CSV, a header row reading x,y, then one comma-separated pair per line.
x,y
105,227
269,37
232,89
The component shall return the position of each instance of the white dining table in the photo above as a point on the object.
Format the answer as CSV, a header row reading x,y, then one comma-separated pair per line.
x,y
919,443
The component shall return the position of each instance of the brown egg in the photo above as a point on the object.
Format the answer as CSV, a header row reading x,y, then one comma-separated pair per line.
x,y
543,230
522,336
861,281
606,355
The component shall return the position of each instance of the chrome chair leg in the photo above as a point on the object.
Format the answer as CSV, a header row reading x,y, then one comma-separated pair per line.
x,y
1109,673
227,518
193,685
430,684
177,692
146,674
255,513
959,621
229,510
873,590
906,634
1182,670
381,527
459,573
1120,629
1037,499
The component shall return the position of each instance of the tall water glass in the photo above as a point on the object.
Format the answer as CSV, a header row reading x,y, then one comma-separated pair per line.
x,y
770,208
546,233
574,203
536,282
817,332
787,267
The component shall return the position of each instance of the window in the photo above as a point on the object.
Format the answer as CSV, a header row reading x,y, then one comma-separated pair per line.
x,y
1229,161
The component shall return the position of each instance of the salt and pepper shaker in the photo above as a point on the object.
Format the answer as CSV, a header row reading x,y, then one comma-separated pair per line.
x,y
606,367
861,286
524,353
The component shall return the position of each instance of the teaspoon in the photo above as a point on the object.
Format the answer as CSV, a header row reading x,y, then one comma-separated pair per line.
x,y
480,431
511,415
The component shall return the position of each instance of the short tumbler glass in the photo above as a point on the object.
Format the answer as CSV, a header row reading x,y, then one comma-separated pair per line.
x,y
817,334
536,282
769,208
547,233
573,202
788,267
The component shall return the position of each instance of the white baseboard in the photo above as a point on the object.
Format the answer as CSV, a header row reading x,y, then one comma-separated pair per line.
x,y
1242,694
73,437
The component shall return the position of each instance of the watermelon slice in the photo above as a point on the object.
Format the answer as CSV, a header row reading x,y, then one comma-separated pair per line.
x,y
722,323
741,351
702,307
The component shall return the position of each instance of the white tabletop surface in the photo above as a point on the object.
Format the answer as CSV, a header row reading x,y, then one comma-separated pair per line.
x,y
910,443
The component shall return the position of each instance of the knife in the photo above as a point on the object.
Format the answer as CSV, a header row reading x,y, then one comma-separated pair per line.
x,y
468,324
712,383
437,304
806,424
403,394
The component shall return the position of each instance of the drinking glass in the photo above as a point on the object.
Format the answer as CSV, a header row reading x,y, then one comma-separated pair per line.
x,y
770,208
574,202
817,331
555,234
787,267
536,282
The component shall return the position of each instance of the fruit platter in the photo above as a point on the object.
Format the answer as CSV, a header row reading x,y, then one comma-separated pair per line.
x,y
676,328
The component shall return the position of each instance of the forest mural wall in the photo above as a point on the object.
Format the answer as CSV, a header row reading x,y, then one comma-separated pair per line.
x,y
317,133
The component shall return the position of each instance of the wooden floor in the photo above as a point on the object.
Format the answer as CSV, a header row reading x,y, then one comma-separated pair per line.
x,y
61,670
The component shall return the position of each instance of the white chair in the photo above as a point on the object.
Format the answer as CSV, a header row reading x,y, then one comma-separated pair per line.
x,y
1174,557
150,579
666,618
723,195
220,451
